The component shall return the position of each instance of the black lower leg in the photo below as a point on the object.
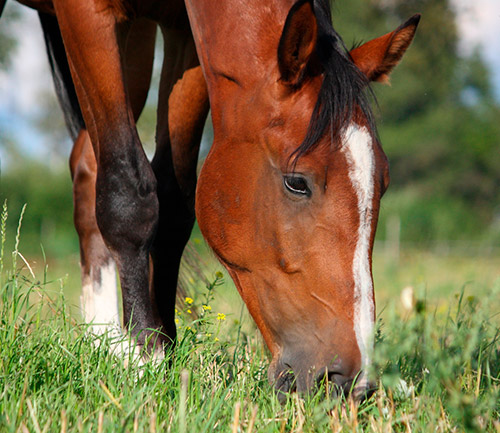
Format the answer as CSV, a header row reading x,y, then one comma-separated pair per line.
x,y
127,215
175,224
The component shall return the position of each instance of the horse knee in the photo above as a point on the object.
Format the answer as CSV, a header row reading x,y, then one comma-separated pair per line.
x,y
127,208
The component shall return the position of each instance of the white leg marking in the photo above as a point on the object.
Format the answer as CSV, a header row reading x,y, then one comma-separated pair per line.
x,y
358,149
99,302
100,299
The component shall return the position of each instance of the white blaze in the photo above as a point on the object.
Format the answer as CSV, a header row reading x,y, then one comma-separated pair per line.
x,y
358,149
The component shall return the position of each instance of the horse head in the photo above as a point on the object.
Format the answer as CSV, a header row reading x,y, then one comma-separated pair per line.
x,y
289,195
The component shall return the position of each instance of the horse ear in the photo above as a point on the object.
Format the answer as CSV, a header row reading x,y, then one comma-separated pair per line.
x,y
378,57
297,42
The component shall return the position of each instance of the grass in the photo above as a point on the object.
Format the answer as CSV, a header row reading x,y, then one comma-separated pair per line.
x,y
438,369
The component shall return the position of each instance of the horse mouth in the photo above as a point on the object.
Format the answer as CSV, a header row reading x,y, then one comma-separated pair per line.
x,y
285,384
341,387
335,384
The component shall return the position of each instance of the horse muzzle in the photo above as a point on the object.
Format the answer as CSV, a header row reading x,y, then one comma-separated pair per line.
x,y
335,379
358,388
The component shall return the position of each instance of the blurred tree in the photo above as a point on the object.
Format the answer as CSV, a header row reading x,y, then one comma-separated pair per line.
x,y
7,41
48,220
476,78
7,46
439,122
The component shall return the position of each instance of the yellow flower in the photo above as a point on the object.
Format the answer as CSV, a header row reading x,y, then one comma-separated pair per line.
x,y
177,321
219,274
189,300
207,307
208,335
216,339
188,328
188,311
221,316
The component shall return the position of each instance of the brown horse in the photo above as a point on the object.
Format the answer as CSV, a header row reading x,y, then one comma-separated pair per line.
x,y
289,195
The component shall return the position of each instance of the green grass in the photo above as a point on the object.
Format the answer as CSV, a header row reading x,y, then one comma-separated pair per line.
x,y
439,278
438,368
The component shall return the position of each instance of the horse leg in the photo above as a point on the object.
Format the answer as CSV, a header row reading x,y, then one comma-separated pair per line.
x,y
126,202
182,111
99,298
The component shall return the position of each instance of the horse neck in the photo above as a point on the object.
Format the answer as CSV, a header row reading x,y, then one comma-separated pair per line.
x,y
237,39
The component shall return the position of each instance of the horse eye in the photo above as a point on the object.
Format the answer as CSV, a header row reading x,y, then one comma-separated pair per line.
x,y
297,185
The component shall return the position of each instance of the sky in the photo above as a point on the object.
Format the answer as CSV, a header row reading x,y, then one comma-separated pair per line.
x,y
29,78
479,25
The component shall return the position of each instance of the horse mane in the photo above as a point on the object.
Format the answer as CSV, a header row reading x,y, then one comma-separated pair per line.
x,y
344,90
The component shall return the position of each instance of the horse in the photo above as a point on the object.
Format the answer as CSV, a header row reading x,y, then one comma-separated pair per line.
x,y
288,196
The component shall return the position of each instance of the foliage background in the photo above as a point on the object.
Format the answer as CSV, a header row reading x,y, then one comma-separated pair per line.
x,y
438,123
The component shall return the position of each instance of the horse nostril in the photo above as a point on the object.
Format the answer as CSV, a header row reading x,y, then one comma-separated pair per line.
x,y
364,392
339,385
342,386
285,382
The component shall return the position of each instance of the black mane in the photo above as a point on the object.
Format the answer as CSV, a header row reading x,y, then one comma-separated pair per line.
x,y
344,87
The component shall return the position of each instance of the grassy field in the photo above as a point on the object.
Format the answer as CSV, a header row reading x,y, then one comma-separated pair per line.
x,y
438,360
